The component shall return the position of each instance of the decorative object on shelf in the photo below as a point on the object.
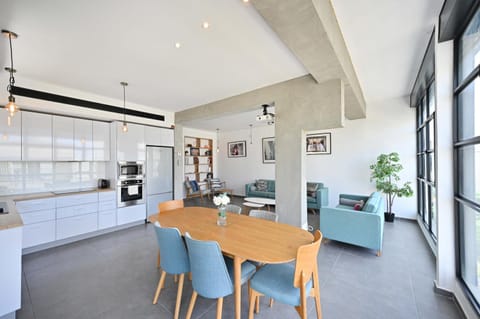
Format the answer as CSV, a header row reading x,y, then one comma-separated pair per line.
x,y
194,151
221,201
268,150
124,126
11,107
319,144
385,174
237,149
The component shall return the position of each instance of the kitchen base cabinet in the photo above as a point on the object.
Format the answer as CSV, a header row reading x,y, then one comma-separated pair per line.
x,y
77,225
38,233
107,219
131,214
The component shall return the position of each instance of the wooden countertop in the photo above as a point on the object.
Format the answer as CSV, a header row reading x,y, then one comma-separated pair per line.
x,y
13,218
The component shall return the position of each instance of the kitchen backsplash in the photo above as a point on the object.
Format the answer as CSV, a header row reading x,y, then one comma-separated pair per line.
x,y
33,177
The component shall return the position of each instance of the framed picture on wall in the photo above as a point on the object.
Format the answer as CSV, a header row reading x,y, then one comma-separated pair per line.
x,y
268,150
237,149
319,143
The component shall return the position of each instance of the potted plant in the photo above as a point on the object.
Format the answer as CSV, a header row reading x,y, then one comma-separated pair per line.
x,y
385,174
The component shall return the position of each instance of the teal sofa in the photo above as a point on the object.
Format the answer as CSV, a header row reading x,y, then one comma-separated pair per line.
x,y
313,202
357,227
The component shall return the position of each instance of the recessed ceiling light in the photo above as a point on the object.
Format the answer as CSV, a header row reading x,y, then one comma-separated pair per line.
x,y
177,45
205,25
245,1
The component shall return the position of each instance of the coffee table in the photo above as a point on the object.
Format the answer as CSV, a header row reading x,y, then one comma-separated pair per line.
x,y
260,200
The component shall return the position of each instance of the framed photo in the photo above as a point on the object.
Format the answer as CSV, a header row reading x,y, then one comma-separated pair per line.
x,y
194,151
268,150
319,143
237,149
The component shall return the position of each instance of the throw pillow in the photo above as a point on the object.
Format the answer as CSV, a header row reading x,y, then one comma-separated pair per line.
x,y
194,186
188,186
312,189
358,206
350,202
261,185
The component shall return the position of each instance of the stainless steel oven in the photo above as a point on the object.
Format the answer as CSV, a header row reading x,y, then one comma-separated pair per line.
x,y
130,170
130,192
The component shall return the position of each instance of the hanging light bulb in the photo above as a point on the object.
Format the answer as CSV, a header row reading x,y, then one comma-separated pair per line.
x,y
11,107
250,133
218,148
124,126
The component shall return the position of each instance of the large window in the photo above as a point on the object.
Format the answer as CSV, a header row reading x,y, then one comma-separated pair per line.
x,y
467,156
426,181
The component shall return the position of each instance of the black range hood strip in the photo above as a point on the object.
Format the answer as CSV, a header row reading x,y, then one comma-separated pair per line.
x,y
16,90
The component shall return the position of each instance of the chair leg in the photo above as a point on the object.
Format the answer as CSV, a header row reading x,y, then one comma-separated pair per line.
x,y
191,305
303,302
271,302
219,307
158,259
159,287
179,296
190,276
257,304
253,298
316,293
379,253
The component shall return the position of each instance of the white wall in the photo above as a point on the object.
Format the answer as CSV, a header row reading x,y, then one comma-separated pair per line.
x,y
389,127
239,171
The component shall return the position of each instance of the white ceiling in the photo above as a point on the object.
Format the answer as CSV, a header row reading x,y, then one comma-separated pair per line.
x,y
93,45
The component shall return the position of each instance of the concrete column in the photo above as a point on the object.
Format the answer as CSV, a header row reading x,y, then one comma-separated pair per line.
x,y
178,158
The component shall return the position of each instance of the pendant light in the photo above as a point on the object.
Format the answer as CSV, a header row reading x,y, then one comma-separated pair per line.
x,y
11,107
218,148
124,126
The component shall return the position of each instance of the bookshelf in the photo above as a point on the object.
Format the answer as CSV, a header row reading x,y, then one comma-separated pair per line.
x,y
198,158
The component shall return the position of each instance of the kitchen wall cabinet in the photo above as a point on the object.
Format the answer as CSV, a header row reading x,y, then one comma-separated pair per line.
x,y
63,128
130,144
10,137
159,136
36,137
101,141
83,148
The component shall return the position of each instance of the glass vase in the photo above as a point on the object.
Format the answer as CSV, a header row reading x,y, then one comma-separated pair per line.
x,y
222,216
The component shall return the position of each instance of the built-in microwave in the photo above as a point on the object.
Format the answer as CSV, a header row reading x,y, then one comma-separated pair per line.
x,y
129,170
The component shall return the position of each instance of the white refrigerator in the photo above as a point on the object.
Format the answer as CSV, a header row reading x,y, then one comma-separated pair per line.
x,y
159,177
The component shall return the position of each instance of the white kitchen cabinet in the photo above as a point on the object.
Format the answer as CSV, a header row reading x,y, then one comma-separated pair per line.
x,y
11,274
36,137
159,136
83,148
107,210
38,233
130,144
76,225
63,138
131,214
101,141
10,137
77,199
26,206
38,217
71,211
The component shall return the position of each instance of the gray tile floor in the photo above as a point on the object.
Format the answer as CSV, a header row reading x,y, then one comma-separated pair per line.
x,y
114,276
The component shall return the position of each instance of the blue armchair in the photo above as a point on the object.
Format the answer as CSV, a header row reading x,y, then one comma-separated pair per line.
x,y
362,228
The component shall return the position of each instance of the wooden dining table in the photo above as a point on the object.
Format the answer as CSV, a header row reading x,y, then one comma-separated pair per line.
x,y
244,238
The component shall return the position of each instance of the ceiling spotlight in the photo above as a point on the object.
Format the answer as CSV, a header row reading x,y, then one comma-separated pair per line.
x,y
11,107
177,45
205,25
266,116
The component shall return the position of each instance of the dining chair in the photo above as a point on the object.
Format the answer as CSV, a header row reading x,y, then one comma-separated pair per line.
x,y
166,206
211,273
234,209
174,260
264,215
275,280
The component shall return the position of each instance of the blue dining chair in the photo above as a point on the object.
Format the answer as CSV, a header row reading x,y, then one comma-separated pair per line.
x,y
290,283
174,260
211,274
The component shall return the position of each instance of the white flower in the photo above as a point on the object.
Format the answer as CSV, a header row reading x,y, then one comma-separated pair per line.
x,y
221,199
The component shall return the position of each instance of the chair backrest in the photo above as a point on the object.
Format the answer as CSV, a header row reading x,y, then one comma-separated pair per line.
x,y
264,215
210,276
234,209
170,205
306,260
172,250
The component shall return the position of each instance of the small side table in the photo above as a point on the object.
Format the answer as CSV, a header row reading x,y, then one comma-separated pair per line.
x,y
251,206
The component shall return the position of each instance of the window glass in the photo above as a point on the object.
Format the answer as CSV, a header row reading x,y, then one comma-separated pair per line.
x,y
469,172
468,48
420,197
469,252
468,102
431,99
431,167
431,135
426,215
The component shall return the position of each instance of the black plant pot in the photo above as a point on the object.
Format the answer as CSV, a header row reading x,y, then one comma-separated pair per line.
x,y
389,217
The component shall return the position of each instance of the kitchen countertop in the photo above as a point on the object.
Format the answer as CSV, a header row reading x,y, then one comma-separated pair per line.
x,y
13,218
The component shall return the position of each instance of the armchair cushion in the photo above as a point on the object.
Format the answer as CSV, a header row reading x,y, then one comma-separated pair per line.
x,y
261,185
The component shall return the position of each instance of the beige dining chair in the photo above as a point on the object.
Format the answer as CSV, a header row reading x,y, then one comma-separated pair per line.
x,y
263,214
232,208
